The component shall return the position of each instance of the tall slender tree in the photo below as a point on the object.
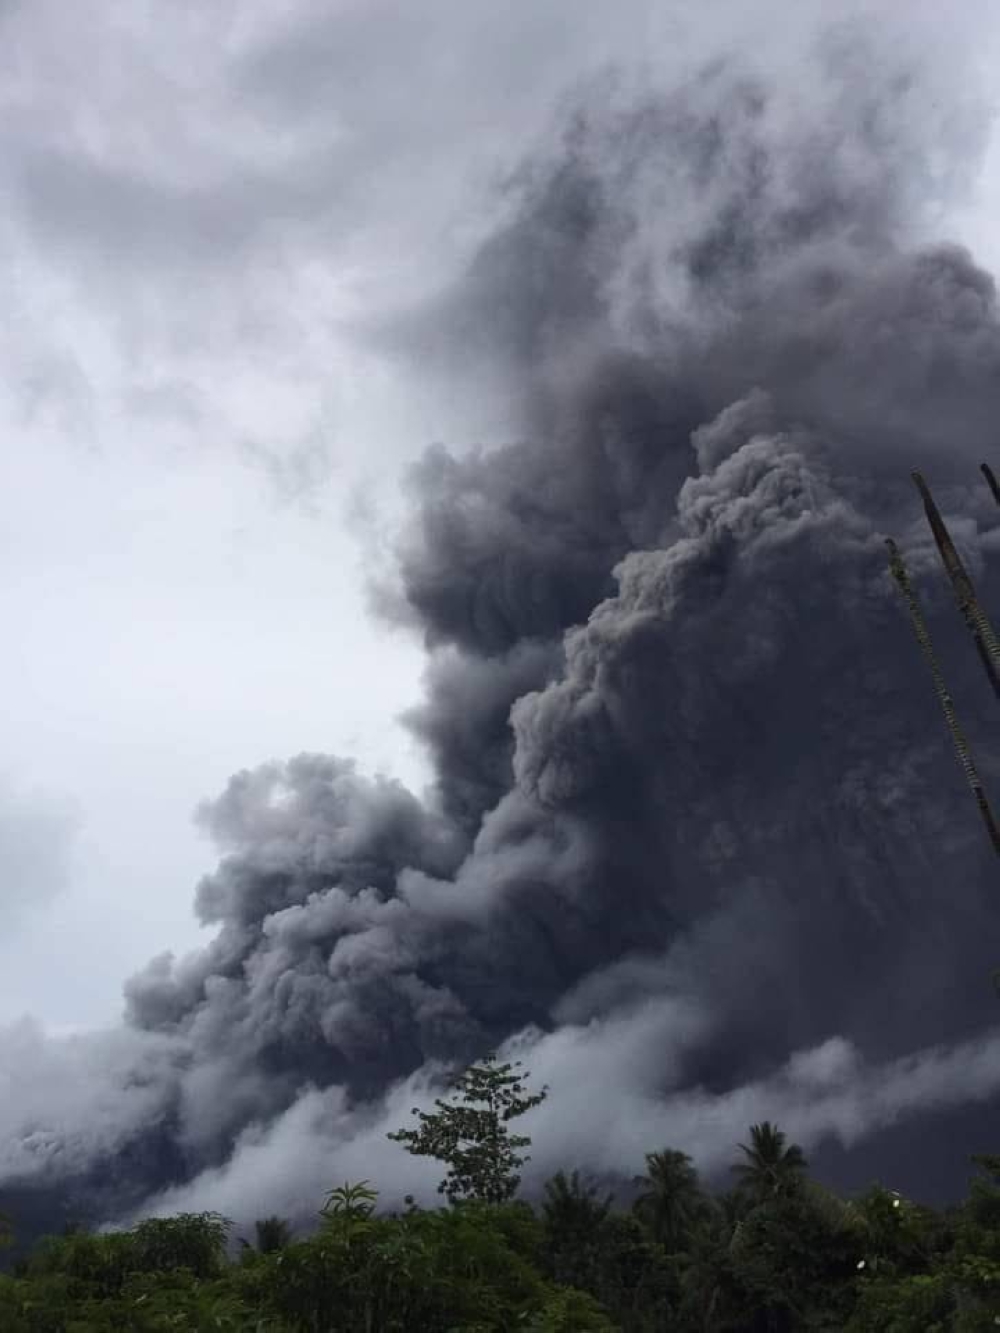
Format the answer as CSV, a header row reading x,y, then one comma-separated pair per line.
x,y
959,741
471,1136
973,614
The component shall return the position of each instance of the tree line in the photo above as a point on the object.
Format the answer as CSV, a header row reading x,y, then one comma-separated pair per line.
x,y
774,1253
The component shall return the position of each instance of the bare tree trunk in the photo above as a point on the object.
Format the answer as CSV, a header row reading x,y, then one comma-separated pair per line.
x,y
711,1309
965,594
987,472
898,571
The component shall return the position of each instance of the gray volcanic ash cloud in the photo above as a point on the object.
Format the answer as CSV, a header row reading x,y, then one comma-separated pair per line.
x,y
697,843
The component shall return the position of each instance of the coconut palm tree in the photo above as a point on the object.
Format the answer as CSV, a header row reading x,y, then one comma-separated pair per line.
x,y
771,1168
273,1233
572,1207
672,1204
573,1220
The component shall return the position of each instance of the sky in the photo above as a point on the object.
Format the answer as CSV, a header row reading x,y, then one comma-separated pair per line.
x,y
257,262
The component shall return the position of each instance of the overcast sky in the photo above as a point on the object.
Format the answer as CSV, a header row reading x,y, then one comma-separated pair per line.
x,y
203,201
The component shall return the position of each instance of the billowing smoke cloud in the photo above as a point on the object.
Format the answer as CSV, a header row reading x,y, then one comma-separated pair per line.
x,y
697,844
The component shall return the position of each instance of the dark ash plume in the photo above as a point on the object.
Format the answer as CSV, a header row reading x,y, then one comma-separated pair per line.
x,y
684,754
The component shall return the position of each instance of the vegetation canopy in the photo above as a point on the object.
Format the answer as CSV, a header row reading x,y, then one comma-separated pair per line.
x,y
471,1136
776,1253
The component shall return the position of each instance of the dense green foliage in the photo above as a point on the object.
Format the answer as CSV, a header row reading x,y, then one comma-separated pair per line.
x,y
471,1135
777,1253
